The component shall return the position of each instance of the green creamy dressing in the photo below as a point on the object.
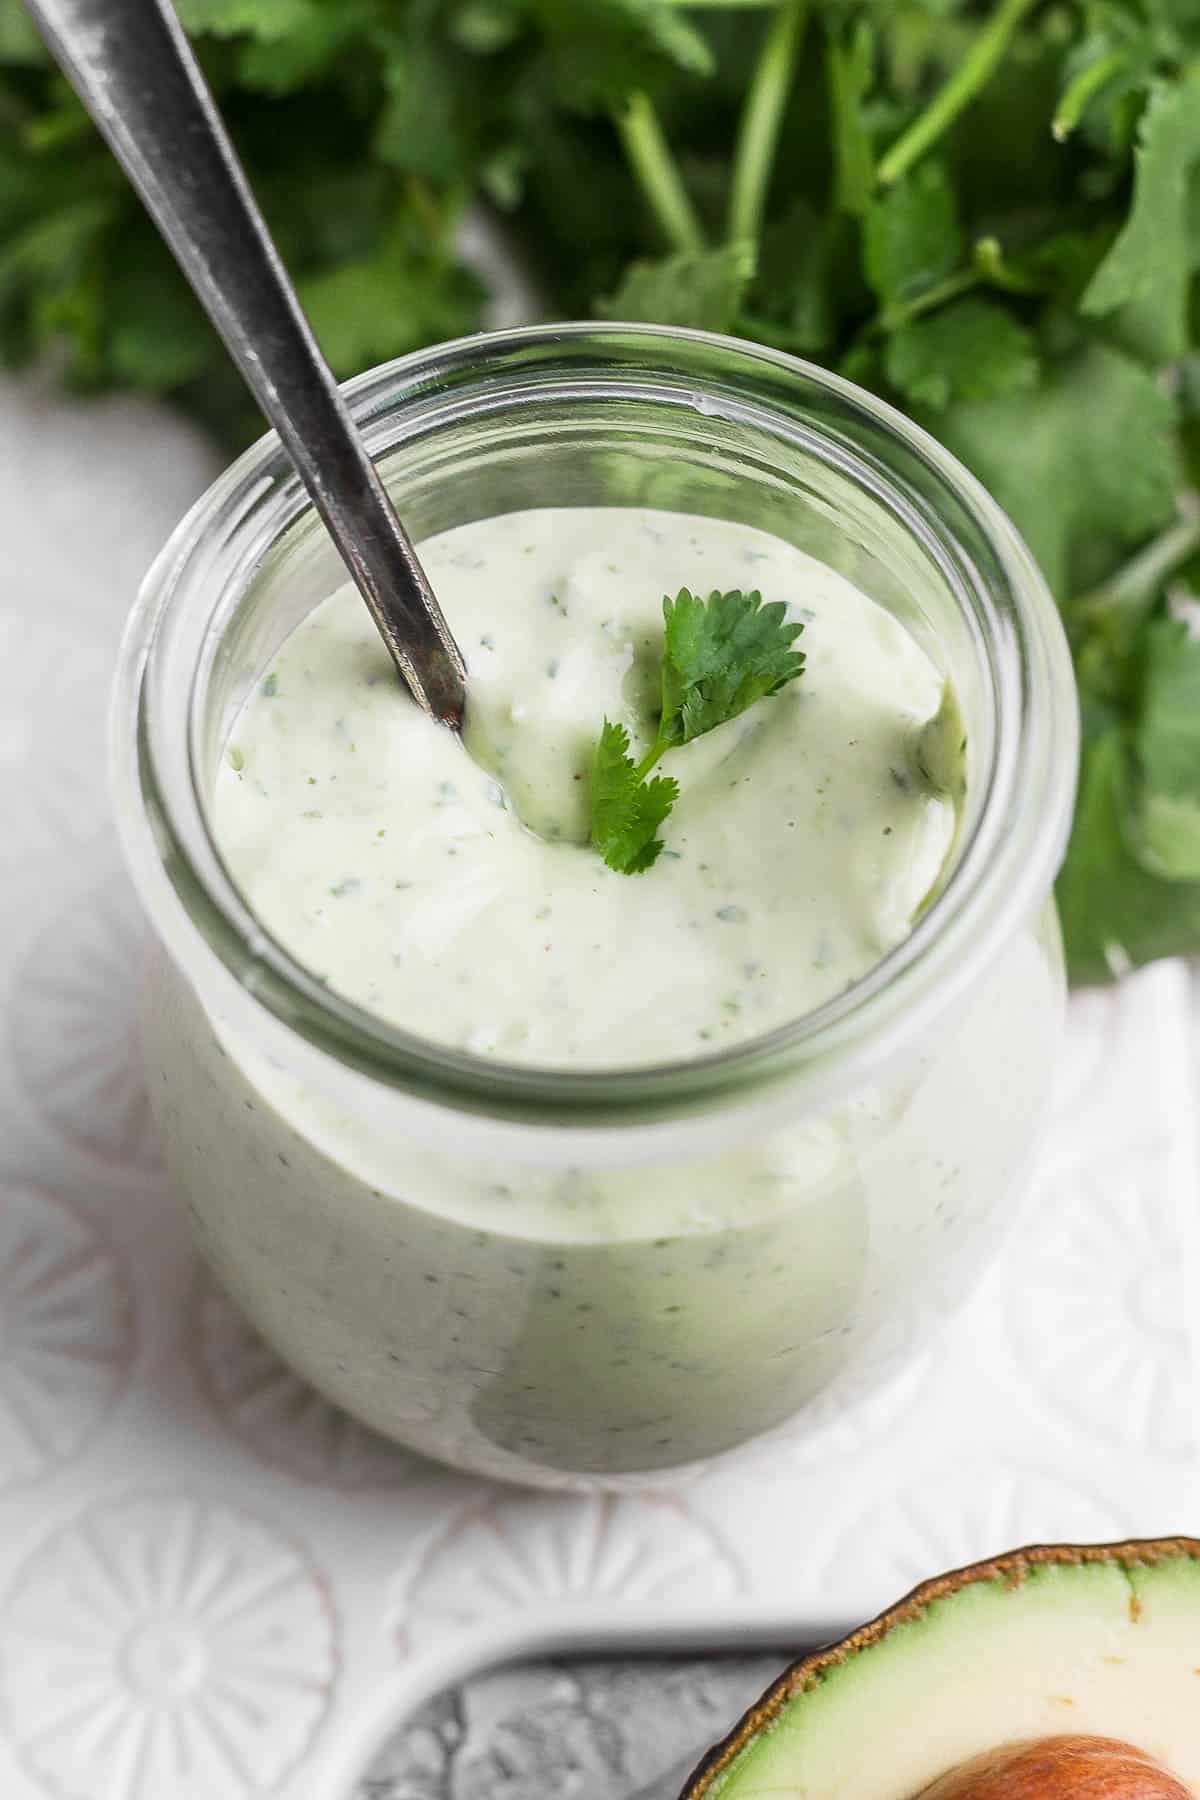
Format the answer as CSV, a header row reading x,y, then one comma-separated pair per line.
x,y
449,887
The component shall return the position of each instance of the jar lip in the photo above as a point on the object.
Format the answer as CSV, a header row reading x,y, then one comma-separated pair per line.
x,y
205,922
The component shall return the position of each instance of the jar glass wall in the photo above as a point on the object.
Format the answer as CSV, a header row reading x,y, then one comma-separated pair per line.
x,y
578,1275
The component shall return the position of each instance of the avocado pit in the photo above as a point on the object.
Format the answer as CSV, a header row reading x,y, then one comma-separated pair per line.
x,y
1060,1768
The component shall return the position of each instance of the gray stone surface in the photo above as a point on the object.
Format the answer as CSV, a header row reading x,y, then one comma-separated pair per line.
x,y
569,1731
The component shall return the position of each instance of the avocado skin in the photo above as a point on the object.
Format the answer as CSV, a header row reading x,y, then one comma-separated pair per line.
x,y
1012,1567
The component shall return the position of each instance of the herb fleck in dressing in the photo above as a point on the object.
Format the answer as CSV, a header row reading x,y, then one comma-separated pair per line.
x,y
451,889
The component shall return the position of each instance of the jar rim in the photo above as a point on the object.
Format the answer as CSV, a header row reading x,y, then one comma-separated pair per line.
x,y
1000,876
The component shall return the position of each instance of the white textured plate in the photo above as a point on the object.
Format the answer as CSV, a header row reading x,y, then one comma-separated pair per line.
x,y
206,1572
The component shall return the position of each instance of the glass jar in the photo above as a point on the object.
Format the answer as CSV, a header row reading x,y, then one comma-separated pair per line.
x,y
570,1277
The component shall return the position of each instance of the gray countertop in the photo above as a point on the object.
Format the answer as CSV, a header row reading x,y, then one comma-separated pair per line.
x,y
561,1730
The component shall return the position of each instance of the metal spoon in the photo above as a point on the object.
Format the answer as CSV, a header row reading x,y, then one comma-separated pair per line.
x,y
132,67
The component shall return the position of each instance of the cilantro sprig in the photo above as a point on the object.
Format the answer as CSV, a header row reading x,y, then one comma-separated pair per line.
x,y
627,810
720,655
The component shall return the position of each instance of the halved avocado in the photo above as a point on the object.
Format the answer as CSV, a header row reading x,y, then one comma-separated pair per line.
x,y
1051,1643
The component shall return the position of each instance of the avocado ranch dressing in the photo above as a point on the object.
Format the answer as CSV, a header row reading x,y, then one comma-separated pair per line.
x,y
528,1317
401,867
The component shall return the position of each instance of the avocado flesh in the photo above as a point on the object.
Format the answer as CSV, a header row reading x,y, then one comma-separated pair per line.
x,y
1019,1649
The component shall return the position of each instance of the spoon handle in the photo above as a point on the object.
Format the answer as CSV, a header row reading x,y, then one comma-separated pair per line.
x,y
135,72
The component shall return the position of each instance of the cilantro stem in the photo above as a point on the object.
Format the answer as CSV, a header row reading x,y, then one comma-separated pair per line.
x,y
1082,89
893,317
657,173
656,752
988,257
1134,586
988,267
972,74
762,117
847,67
426,208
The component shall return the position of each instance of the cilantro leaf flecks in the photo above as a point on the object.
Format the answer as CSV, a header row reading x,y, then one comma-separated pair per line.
x,y
627,810
720,655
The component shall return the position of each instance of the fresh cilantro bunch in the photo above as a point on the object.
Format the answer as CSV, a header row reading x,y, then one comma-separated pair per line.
x,y
331,110
720,655
986,210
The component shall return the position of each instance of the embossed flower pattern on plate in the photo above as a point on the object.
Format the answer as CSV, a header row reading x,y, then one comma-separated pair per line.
x,y
165,1649
1096,1313
73,1027
66,1331
520,1553
52,780
277,1414
956,1513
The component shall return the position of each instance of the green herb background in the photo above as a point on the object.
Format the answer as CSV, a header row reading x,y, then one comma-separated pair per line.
x,y
989,213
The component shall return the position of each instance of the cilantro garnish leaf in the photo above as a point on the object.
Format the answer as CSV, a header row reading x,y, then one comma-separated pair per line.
x,y
720,655
627,810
